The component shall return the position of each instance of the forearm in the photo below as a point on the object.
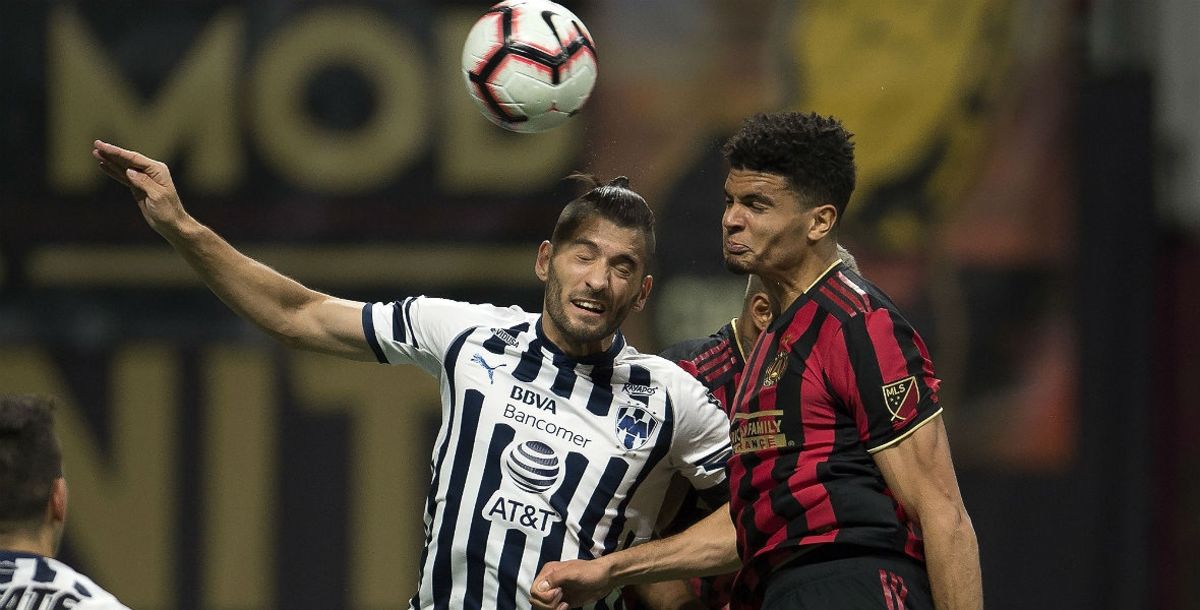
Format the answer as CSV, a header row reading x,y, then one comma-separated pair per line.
x,y
952,558
253,290
707,548
668,595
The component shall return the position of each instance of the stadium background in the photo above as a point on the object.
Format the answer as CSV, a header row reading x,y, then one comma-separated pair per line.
x,y
1029,193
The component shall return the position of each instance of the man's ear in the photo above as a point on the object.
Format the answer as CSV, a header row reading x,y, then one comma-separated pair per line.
x,y
824,218
644,293
541,266
760,311
58,500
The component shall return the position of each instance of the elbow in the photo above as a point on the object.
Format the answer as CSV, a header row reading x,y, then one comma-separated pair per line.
x,y
949,518
290,331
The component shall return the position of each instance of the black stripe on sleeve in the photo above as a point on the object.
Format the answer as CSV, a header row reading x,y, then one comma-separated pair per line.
x,y
408,320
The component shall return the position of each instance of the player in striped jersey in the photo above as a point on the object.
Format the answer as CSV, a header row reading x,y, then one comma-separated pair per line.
x,y
558,439
717,361
843,493
33,512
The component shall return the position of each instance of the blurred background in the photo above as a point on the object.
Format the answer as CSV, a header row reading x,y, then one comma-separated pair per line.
x,y
1029,193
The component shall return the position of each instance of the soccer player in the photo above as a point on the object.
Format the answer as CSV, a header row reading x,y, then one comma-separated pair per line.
x,y
33,513
717,361
843,494
557,438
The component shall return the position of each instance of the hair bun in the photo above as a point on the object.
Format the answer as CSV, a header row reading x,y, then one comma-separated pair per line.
x,y
621,181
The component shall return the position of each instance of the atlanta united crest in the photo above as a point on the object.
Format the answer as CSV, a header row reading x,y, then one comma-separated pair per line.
x,y
635,426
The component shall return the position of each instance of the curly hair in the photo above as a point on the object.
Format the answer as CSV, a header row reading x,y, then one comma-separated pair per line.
x,y
30,458
613,201
815,153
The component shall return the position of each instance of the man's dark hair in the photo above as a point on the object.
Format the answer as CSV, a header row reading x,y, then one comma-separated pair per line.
x,y
30,459
815,153
613,201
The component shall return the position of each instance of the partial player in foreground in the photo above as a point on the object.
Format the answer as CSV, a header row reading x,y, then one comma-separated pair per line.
x,y
843,493
33,513
557,438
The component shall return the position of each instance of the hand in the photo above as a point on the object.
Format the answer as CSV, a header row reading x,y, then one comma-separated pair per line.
x,y
569,584
149,180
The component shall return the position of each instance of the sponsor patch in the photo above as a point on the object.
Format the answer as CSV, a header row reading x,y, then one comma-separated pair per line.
x,y
639,390
504,336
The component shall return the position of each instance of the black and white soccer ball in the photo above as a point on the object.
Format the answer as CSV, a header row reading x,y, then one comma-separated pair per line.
x,y
529,64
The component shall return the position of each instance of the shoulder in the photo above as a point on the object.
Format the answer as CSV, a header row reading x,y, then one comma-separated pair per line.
x,y
480,313
665,373
93,597
697,349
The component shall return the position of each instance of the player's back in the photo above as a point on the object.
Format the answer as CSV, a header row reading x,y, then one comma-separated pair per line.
x,y
31,581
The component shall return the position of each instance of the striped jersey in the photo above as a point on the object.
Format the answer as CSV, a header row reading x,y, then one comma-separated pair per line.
x,y
837,376
32,582
540,456
715,360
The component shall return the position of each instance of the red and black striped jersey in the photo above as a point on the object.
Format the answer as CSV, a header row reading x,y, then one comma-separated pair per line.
x,y
836,377
716,361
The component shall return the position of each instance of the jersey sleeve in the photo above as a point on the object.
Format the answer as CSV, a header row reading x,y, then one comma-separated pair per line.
x,y
416,330
888,381
701,445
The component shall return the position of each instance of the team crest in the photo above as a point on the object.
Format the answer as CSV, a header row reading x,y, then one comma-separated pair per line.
x,y
635,426
900,394
775,371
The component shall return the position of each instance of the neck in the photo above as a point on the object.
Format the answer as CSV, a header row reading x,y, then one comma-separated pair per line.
x,y
744,333
28,542
574,349
788,287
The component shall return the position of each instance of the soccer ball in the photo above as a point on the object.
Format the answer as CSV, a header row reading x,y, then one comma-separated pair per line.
x,y
529,65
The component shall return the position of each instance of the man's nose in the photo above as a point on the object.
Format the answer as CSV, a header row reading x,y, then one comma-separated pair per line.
x,y
596,277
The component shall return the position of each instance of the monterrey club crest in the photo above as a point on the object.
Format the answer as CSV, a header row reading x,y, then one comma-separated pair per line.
x,y
899,394
635,426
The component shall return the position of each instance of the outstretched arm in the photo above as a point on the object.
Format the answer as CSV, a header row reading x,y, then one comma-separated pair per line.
x,y
920,474
706,548
292,313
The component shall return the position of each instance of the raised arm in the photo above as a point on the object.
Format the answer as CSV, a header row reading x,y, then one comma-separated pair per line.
x,y
920,474
294,314
709,547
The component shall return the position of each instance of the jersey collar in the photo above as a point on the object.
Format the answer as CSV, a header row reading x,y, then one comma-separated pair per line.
x,y
785,318
605,357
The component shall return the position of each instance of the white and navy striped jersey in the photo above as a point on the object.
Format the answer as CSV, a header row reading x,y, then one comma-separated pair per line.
x,y
33,582
540,457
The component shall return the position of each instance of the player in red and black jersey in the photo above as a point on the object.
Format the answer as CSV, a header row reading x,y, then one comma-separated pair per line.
x,y
843,490
717,361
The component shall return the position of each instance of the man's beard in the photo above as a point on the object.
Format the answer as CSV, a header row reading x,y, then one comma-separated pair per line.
x,y
558,315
